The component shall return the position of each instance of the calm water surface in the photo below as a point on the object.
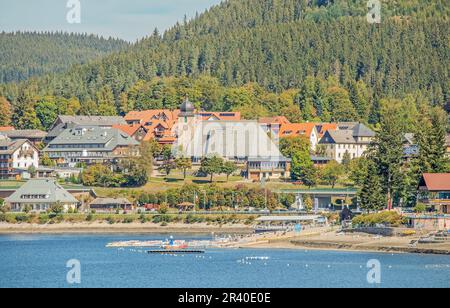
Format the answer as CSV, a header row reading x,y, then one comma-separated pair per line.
x,y
40,261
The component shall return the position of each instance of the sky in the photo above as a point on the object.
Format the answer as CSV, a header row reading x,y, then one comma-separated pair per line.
x,y
125,19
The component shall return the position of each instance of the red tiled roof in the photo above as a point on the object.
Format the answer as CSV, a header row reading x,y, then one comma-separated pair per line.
x,y
274,120
437,181
128,129
6,128
148,115
297,129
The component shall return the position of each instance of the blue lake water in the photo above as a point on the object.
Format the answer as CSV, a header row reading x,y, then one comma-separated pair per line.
x,y
40,261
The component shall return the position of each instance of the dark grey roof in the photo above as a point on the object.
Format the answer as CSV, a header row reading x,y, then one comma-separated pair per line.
x,y
360,130
93,120
81,136
49,188
65,121
320,158
348,136
186,108
25,134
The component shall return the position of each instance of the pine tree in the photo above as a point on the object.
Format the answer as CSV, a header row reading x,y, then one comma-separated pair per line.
x,y
372,196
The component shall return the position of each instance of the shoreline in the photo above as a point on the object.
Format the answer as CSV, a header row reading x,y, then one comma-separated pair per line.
x,y
322,239
332,241
143,228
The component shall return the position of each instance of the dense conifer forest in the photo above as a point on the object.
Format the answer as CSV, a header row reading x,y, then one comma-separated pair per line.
x,y
311,60
27,54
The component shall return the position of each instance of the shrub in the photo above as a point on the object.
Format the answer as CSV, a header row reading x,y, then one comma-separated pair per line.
x,y
22,218
90,217
110,220
420,208
128,220
2,217
387,218
43,219
143,218
161,218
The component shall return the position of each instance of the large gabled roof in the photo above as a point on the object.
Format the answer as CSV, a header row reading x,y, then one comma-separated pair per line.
x,y
360,130
436,181
25,134
11,146
130,129
297,129
49,188
243,139
92,120
85,135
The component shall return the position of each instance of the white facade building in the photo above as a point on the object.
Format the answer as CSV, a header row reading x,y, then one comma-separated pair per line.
x,y
354,141
17,155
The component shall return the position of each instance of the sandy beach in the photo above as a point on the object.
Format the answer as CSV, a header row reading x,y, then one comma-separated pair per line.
x,y
315,240
135,227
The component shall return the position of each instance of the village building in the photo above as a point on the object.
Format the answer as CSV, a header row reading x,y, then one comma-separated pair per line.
x,y
35,136
91,145
308,130
320,161
64,122
271,125
6,128
434,190
158,123
353,140
410,147
136,131
161,124
244,142
40,195
16,155
110,205
322,128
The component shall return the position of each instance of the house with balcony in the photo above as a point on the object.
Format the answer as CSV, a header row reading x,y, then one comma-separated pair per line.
x,y
434,190
16,155
307,130
91,145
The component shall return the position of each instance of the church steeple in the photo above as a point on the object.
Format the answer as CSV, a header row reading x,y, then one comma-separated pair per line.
x,y
187,109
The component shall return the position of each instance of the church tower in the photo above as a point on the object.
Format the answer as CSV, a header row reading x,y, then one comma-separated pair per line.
x,y
187,111
187,122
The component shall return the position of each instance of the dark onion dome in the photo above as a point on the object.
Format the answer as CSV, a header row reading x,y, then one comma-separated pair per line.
x,y
187,108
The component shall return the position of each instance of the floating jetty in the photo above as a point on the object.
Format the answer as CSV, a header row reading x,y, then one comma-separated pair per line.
x,y
175,252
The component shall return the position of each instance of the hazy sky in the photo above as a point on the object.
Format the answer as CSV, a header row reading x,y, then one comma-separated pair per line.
x,y
126,19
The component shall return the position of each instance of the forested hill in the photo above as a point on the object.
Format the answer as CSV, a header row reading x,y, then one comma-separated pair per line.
x,y
25,54
314,59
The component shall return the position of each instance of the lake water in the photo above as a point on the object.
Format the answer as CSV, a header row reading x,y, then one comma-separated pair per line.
x,y
40,261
